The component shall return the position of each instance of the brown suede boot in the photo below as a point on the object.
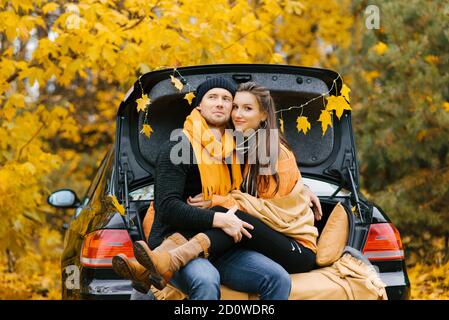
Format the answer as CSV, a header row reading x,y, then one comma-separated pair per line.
x,y
132,270
162,264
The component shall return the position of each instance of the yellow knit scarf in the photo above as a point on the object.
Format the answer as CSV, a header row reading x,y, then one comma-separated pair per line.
x,y
210,155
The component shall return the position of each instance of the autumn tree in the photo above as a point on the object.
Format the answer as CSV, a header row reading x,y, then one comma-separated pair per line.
x,y
399,77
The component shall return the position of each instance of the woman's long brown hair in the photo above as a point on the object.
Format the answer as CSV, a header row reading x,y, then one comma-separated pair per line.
x,y
255,182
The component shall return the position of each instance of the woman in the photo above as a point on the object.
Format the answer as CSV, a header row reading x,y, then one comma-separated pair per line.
x,y
273,200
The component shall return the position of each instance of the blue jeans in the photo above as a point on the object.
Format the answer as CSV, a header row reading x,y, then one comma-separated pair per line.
x,y
238,269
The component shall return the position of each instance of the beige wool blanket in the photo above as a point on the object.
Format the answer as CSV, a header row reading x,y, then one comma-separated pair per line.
x,y
290,214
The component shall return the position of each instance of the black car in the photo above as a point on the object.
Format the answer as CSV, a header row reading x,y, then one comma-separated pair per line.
x,y
328,165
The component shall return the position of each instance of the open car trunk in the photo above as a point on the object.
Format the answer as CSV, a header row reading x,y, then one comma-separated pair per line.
x,y
296,91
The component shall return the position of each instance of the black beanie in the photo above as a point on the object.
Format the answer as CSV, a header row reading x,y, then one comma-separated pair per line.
x,y
210,84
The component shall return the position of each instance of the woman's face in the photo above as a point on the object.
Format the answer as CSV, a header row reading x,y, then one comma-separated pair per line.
x,y
246,113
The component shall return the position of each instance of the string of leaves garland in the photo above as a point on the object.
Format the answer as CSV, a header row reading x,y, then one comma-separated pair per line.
x,y
334,103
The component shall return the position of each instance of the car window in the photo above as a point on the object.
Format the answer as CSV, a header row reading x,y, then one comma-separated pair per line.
x,y
324,188
142,194
97,176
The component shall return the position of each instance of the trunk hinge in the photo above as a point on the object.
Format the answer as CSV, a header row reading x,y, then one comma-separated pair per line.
x,y
349,165
124,172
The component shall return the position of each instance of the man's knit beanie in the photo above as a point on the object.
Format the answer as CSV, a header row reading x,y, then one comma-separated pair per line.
x,y
211,83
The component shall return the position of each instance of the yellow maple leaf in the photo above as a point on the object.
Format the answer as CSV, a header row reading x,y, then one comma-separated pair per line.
x,y
281,124
370,75
146,130
337,103
143,102
380,48
117,205
421,135
189,97
276,58
446,106
73,22
302,124
49,7
432,59
177,83
325,119
9,112
345,92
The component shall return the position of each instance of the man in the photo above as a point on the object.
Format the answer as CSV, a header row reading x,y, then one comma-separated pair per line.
x,y
238,269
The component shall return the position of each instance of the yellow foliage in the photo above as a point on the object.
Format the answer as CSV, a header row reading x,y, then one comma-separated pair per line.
x,y
49,7
432,59
446,106
146,130
314,26
345,92
177,83
429,282
302,124
337,103
189,97
36,274
64,69
370,75
326,120
143,102
380,48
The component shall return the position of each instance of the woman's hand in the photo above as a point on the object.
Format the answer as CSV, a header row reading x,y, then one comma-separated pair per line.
x,y
199,202
314,203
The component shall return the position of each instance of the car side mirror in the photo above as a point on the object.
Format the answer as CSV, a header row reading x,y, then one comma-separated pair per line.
x,y
64,198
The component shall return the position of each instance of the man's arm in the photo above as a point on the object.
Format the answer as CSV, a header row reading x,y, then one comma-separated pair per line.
x,y
169,191
171,208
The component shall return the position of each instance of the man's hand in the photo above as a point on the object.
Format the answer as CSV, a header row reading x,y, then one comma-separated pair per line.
x,y
314,202
199,202
231,224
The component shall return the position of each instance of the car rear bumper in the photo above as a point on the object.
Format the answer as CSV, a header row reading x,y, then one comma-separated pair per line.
x,y
398,286
107,290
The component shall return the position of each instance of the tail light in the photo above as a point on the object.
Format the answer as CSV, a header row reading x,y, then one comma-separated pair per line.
x,y
383,243
101,246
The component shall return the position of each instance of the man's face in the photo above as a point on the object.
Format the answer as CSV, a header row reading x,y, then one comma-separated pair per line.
x,y
216,106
